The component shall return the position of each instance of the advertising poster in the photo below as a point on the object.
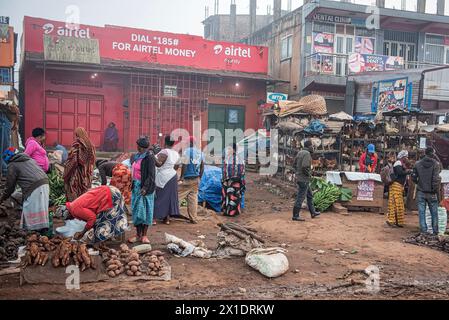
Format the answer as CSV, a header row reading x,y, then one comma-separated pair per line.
x,y
392,95
446,191
364,45
371,62
365,190
323,42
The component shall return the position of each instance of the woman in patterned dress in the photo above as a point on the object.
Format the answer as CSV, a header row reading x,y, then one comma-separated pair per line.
x,y
79,166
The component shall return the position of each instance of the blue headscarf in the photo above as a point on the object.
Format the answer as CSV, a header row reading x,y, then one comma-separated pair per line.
x,y
8,154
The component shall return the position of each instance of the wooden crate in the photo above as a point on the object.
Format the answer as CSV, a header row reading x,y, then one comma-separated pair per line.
x,y
377,203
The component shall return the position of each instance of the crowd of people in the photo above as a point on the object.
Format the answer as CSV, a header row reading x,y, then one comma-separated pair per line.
x,y
397,175
147,186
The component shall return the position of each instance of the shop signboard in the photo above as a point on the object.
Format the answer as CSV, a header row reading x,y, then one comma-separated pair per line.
x,y
320,17
359,63
392,95
273,97
153,47
4,20
68,49
364,45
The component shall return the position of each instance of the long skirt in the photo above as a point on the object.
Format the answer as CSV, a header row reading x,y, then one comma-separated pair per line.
x,y
142,206
110,223
167,203
35,210
121,179
232,191
396,208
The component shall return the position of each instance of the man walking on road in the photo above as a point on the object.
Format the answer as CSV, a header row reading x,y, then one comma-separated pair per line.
x,y
303,167
191,173
426,174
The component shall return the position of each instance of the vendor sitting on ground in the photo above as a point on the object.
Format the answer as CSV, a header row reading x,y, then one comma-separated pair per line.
x,y
102,210
24,171
368,160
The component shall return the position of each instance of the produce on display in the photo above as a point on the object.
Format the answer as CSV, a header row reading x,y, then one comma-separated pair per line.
x,y
61,252
57,193
11,238
114,266
325,194
154,260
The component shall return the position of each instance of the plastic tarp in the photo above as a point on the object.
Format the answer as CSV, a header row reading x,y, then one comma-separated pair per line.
x,y
444,176
210,188
335,177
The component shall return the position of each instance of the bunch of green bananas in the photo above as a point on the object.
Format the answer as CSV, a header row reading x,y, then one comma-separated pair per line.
x,y
57,193
326,196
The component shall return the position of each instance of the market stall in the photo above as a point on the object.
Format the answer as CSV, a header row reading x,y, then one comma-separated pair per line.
x,y
367,188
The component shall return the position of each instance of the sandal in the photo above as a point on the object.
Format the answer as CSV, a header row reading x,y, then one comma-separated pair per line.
x,y
133,240
145,240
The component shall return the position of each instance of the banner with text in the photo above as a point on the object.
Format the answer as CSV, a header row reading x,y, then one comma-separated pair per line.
x,y
138,45
371,62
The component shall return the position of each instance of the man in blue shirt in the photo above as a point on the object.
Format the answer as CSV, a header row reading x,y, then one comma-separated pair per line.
x,y
191,173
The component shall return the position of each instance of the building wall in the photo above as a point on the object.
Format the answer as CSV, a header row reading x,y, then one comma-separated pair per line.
x,y
128,102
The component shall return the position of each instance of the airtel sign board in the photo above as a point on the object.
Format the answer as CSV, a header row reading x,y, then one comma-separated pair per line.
x,y
129,44
273,97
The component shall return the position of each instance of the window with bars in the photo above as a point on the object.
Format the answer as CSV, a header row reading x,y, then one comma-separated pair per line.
x,y
436,51
323,27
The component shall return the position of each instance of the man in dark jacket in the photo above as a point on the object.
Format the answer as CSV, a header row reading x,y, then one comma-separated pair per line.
x,y
303,167
105,168
23,171
426,174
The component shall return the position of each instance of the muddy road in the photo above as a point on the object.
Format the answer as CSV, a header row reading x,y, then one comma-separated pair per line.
x,y
327,258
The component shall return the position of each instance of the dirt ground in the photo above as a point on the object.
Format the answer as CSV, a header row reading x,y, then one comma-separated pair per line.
x,y
317,269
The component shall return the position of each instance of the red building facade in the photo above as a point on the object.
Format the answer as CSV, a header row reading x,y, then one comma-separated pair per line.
x,y
146,82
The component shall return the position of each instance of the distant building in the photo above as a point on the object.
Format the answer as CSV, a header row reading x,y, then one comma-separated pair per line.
x,y
317,46
219,27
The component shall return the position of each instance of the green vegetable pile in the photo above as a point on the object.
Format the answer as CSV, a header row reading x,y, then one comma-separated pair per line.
x,y
325,194
57,193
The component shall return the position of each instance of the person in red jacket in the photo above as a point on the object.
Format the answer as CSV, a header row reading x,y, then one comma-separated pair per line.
x,y
368,160
102,209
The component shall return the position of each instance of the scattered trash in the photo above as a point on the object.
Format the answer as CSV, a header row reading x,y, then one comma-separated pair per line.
x,y
296,271
429,240
354,251
321,251
183,248
242,290
202,237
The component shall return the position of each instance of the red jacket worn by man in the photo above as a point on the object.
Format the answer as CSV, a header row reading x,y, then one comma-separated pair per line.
x,y
90,204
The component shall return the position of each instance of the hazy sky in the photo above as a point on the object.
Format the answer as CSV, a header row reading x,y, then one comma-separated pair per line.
x,y
179,16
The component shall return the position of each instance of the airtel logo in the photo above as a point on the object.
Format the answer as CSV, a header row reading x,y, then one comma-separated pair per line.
x,y
233,51
67,32
48,28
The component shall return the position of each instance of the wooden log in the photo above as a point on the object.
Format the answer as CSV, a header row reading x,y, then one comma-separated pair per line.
x,y
245,231
11,270
229,230
247,228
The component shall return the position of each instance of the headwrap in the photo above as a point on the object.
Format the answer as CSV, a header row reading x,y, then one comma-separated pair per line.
x,y
143,142
9,153
62,212
402,154
371,148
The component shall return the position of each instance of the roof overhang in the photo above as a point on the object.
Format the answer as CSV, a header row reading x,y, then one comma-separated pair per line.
x,y
389,18
120,66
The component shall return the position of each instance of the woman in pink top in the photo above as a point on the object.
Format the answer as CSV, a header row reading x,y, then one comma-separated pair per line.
x,y
34,148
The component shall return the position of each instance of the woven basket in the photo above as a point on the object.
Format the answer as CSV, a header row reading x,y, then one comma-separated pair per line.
x,y
314,104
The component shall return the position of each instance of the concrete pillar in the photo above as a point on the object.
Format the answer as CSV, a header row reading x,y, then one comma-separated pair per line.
x,y
422,6
252,16
380,3
277,9
441,7
233,22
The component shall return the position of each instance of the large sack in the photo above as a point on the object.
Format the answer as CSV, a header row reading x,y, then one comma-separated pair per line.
x,y
271,262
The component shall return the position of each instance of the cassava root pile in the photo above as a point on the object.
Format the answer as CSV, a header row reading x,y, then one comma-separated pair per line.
x,y
62,252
